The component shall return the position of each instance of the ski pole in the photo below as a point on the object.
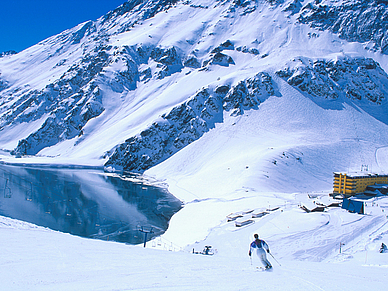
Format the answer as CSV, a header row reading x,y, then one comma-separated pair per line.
x,y
251,259
274,258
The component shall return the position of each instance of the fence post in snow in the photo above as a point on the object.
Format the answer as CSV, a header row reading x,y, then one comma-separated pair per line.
x,y
341,244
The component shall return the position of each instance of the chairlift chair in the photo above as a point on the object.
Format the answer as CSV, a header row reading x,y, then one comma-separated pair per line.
x,y
29,193
48,207
7,190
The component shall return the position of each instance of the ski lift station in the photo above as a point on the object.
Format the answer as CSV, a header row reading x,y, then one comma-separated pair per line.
x,y
361,192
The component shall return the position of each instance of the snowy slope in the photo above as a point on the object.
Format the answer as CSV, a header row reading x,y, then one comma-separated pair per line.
x,y
238,106
134,65
34,258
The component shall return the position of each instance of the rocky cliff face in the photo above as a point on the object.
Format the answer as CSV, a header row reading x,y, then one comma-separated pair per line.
x,y
76,97
356,79
360,21
133,12
70,102
189,121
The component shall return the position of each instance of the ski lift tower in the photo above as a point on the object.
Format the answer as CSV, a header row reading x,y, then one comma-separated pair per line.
x,y
146,231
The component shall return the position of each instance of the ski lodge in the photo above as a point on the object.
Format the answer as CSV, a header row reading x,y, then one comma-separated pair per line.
x,y
350,184
360,190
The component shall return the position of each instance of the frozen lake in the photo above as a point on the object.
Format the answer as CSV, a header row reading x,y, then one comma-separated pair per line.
x,y
86,202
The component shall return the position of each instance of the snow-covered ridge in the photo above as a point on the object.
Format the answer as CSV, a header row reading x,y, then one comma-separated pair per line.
x,y
126,16
134,67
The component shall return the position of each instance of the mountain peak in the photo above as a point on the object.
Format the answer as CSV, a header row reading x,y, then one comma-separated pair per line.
x,y
151,78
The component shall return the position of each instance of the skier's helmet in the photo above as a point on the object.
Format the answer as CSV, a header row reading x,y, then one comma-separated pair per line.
x,y
256,236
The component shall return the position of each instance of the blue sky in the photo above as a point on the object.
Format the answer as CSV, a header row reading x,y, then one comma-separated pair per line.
x,y
24,23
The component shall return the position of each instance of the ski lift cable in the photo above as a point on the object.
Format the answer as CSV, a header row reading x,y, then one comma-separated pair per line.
x,y
161,240
49,197
364,165
7,190
16,183
8,194
38,185
23,187
42,188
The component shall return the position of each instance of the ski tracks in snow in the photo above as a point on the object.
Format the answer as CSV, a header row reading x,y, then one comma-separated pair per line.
x,y
323,241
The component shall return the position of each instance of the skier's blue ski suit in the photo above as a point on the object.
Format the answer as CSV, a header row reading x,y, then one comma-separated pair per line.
x,y
261,249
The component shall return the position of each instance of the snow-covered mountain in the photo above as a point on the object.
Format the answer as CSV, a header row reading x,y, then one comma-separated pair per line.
x,y
241,108
151,78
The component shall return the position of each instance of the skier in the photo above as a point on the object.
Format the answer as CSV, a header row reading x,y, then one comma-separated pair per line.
x,y
261,247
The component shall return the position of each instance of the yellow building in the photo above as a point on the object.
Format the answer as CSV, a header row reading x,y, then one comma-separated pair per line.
x,y
350,184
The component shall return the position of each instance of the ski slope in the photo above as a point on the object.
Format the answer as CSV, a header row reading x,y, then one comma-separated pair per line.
x,y
278,156
35,258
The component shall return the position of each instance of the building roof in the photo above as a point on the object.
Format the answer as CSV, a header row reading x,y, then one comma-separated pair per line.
x,y
361,174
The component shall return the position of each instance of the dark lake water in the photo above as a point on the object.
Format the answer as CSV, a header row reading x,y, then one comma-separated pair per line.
x,y
86,202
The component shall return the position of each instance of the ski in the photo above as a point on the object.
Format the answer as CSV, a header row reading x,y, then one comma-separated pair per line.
x,y
262,269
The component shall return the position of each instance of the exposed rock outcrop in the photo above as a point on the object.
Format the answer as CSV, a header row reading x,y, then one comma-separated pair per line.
x,y
7,53
188,122
356,79
75,98
135,11
361,21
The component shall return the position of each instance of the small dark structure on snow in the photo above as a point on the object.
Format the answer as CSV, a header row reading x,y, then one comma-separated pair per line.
x,y
357,203
244,223
376,190
383,248
317,208
207,250
354,205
